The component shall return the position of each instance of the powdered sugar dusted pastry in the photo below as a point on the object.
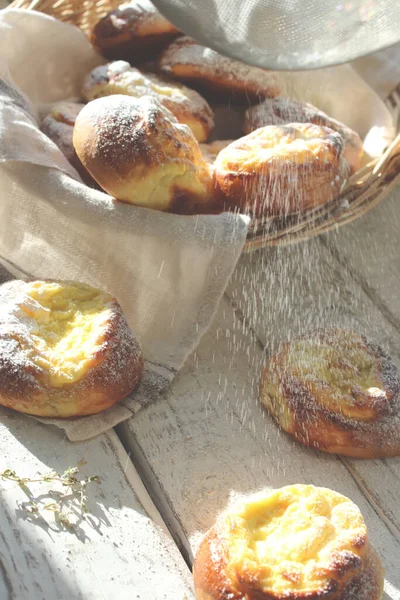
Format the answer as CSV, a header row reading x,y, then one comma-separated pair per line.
x,y
186,60
58,125
299,542
120,78
139,153
280,111
336,391
134,31
65,349
281,170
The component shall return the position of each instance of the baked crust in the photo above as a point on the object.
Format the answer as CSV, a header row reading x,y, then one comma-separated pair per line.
x,y
134,32
139,153
281,111
335,391
279,170
70,379
323,553
186,60
58,125
185,104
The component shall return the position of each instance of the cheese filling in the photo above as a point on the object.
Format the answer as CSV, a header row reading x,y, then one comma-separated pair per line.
x,y
343,377
67,322
295,144
286,540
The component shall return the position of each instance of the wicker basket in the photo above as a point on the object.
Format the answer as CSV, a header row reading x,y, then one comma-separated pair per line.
x,y
363,191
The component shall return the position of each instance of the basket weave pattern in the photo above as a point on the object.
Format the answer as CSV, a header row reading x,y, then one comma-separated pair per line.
x,y
363,191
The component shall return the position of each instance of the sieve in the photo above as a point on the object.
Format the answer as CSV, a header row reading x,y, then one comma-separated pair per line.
x,y
288,34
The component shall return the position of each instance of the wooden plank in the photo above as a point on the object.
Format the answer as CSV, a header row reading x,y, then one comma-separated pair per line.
x,y
285,291
116,552
281,292
370,250
209,440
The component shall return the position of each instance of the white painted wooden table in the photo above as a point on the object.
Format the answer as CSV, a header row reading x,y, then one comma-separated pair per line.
x,y
209,440
122,550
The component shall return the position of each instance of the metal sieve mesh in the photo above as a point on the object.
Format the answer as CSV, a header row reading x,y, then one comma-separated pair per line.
x,y
288,34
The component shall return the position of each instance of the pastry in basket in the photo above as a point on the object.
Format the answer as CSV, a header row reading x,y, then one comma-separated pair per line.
x,y
120,78
135,31
139,153
66,349
186,60
279,170
335,391
298,542
58,125
280,111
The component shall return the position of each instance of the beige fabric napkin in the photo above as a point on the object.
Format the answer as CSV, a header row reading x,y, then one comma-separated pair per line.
x,y
167,271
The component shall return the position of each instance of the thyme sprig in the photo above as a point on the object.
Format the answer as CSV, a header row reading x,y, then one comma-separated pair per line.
x,y
68,501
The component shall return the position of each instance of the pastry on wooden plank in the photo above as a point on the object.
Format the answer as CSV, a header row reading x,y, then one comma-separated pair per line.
x,y
299,542
66,349
336,391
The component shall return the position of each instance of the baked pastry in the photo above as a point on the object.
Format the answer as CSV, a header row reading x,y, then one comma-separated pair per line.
x,y
58,125
335,391
282,169
280,111
299,542
185,104
66,349
186,60
135,32
139,153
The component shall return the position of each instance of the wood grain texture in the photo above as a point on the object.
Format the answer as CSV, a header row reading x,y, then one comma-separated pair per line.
x,y
116,552
370,250
209,441
283,292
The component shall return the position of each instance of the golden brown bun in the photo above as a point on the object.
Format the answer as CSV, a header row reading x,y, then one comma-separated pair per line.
x,y
58,125
186,60
295,543
185,104
282,169
66,349
335,391
133,32
280,111
139,153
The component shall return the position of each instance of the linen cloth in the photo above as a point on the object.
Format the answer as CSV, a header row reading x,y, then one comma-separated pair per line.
x,y
167,271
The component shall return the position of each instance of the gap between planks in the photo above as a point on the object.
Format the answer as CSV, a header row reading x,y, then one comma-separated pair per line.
x,y
122,547
347,298
348,463
191,461
350,296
